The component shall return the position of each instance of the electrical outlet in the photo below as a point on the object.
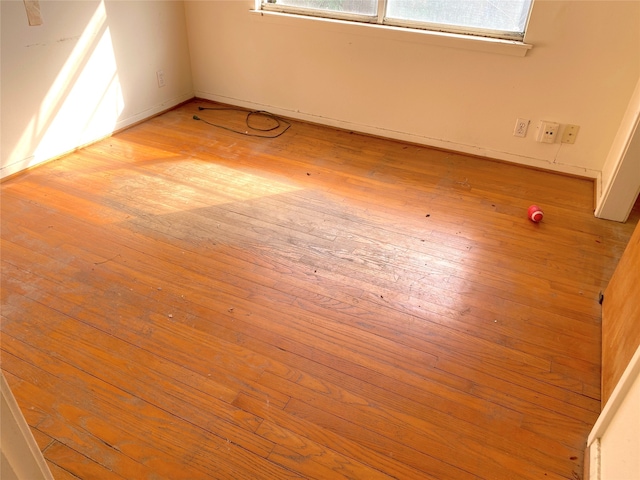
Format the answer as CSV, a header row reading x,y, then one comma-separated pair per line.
x,y
160,75
570,133
520,130
547,132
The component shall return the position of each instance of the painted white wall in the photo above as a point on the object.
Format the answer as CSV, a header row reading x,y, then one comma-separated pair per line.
x,y
614,441
582,70
621,171
88,70
620,444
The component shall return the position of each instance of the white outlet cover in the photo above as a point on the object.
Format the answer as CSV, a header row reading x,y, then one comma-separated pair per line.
x,y
160,75
520,130
547,132
570,133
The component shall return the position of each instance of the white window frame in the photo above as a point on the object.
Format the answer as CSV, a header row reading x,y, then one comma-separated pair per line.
x,y
380,19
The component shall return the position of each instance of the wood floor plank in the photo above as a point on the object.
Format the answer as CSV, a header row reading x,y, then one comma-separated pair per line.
x,y
330,440
300,454
78,464
396,423
195,447
179,301
60,473
99,356
103,442
42,439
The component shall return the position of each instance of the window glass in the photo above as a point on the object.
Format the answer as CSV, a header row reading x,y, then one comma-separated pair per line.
x,y
361,7
494,18
501,15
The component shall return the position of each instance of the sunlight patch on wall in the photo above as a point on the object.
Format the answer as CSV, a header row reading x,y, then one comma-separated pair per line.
x,y
83,103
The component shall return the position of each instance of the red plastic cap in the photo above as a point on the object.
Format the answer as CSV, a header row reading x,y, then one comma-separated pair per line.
x,y
535,213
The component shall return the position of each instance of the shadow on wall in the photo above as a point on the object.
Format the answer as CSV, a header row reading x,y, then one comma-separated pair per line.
x,y
60,85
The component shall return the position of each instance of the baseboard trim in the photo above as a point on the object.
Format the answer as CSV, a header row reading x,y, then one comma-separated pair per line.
x,y
631,372
19,452
7,174
592,461
407,137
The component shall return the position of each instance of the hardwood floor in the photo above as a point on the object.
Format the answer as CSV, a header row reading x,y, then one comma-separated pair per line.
x,y
184,302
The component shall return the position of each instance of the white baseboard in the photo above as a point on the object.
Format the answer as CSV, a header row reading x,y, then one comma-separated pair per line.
x,y
19,453
594,461
407,137
29,162
631,372
150,112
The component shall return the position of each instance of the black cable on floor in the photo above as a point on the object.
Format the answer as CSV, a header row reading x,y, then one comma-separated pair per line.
x,y
251,114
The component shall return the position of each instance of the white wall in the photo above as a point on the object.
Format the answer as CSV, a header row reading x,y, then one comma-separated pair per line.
x,y
582,70
88,70
621,170
614,441
620,444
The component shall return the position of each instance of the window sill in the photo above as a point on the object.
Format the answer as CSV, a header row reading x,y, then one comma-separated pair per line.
x,y
427,37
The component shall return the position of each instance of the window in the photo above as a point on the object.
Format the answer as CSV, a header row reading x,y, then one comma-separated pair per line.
x,y
505,19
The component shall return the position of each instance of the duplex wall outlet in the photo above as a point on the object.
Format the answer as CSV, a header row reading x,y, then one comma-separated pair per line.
x,y
520,130
547,132
160,76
